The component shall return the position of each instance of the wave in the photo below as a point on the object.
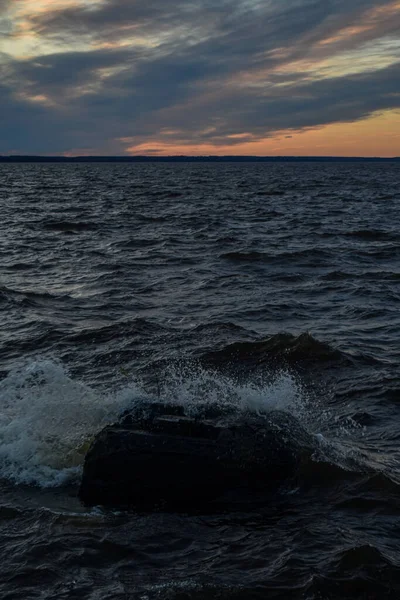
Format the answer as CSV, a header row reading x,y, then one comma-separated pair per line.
x,y
128,330
198,389
357,557
8,295
271,193
284,349
337,586
151,218
254,256
138,242
388,251
336,276
20,266
69,226
173,194
371,234
245,256
47,420
30,298
370,275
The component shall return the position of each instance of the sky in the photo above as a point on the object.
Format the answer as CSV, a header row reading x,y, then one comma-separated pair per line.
x,y
200,77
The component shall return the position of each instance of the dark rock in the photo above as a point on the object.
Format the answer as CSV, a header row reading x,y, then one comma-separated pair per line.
x,y
156,457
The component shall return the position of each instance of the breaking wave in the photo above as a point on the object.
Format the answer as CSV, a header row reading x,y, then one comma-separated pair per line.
x,y
48,419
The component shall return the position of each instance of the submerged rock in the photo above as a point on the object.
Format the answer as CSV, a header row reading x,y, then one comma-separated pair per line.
x,y
157,457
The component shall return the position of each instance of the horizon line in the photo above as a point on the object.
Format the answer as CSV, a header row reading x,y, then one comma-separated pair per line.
x,y
186,158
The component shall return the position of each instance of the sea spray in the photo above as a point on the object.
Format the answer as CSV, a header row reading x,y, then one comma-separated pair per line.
x,y
47,420
195,387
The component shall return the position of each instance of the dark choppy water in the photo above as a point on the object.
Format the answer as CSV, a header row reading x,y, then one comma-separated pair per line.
x,y
262,285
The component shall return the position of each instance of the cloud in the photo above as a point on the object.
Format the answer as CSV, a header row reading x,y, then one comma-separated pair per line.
x,y
4,5
5,22
209,72
261,25
304,105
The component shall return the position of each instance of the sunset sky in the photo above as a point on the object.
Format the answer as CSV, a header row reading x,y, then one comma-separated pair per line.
x,y
163,77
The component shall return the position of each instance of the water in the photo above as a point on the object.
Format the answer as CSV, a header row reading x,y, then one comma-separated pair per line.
x,y
258,286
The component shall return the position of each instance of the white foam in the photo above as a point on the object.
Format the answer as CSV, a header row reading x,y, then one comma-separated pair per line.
x,y
335,439
196,386
47,421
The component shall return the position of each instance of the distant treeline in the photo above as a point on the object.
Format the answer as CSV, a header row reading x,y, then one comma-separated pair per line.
x,y
182,159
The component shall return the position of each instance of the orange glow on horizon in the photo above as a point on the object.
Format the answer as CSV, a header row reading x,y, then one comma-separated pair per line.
x,y
378,136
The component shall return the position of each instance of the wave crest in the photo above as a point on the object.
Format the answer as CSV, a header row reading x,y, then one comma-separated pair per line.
x,y
284,348
46,422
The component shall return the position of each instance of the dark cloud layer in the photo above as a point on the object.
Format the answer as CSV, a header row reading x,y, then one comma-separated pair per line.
x,y
203,70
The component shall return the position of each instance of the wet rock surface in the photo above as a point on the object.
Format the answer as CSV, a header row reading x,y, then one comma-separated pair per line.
x,y
158,458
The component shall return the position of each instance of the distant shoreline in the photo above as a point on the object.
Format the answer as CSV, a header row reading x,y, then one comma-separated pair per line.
x,y
188,159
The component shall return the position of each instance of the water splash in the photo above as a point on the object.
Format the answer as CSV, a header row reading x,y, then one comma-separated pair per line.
x,y
47,421
196,388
